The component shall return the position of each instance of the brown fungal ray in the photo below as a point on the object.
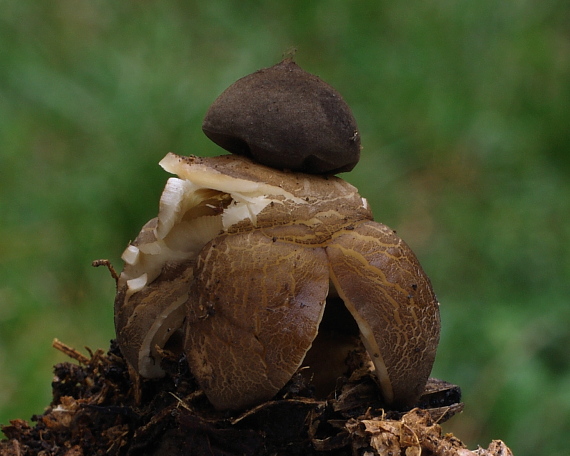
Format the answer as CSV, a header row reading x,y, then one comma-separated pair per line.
x,y
286,118
254,309
384,287
143,328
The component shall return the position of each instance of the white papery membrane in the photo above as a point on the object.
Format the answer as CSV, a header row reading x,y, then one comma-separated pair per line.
x,y
193,210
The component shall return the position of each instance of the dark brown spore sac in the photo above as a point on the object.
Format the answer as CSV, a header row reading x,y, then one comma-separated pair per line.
x,y
286,118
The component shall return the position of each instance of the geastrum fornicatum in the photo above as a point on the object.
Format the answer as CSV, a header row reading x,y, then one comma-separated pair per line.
x,y
244,260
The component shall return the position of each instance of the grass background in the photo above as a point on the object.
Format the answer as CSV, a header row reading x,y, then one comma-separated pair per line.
x,y
464,112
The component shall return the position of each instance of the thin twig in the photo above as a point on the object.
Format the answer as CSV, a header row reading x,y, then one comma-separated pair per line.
x,y
69,351
109,266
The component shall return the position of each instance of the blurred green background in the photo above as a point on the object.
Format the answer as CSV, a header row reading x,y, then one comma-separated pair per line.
x,y
464,112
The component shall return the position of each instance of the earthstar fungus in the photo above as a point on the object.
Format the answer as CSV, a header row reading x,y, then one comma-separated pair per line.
x,y
241,264
253,255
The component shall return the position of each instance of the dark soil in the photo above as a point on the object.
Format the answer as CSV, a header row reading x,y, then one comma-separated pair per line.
x,y
97,409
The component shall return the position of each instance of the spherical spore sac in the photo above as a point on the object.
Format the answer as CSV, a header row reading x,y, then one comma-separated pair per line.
x,y
286,118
